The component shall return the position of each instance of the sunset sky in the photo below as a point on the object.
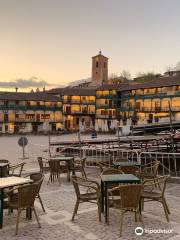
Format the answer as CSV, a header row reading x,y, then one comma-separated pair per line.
x,y
53,40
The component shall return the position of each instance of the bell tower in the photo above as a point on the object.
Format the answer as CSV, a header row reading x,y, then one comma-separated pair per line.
x,y
99,68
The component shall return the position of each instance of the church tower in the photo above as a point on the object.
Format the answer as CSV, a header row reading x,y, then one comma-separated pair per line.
x,y
99,68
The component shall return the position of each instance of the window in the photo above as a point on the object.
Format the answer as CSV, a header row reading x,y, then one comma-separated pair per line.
x,y
104,64
97,64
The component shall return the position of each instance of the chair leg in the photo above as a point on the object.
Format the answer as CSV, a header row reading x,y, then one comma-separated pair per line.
x,y
41,203
135,213
37,219
165,210
17,222
58,176
49,179
99,209
166,206
84,174
75,209
121,223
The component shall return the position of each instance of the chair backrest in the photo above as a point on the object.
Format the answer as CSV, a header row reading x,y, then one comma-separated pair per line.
x,y
40,161
18,167
54,166
26,195
130,195
80,161
109,171
155,166
129,169
160,184
37,178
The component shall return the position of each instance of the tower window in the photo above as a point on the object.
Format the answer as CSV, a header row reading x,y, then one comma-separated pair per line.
x,y
97,64
104,64
96,72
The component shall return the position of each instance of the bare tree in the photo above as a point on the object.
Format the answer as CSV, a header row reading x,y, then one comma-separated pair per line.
x,y
125,74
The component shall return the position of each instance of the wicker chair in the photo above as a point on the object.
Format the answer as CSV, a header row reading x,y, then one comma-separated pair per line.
x,y
78,165
109,171
129,199
24,200
38,178
55,170
149,170
130,170
152,192
102,166
42,165
16,170
91,195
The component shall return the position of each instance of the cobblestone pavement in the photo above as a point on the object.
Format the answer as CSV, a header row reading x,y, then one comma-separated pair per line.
x,y
59,203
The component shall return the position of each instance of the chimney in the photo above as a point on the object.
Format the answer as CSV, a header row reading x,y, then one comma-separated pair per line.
x,y
16,89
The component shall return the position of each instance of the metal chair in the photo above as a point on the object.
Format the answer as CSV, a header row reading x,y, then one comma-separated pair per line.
x,y
92,193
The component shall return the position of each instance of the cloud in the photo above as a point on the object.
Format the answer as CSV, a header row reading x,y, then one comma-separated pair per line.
x,y
32,82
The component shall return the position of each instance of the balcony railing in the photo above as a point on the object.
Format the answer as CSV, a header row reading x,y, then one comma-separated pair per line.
x,y
79,112
106,106
71,101
105,116
83,102
152,95
33,108
32,120
150,109
108,96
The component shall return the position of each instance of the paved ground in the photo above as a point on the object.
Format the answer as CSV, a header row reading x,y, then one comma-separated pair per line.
x,y
59,203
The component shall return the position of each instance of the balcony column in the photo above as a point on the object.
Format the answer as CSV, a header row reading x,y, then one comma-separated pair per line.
x,y
3,128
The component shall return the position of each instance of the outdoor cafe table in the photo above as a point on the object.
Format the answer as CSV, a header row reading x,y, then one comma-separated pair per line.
x,y
68,160
107,180
6,182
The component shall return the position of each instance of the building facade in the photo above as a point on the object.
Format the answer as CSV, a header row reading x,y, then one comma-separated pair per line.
x,y
29,112
152,101
106,108
102,105
79,108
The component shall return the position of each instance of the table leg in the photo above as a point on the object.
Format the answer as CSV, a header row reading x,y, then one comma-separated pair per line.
x,y
73,171
69,169
106,202
1,208
102,196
